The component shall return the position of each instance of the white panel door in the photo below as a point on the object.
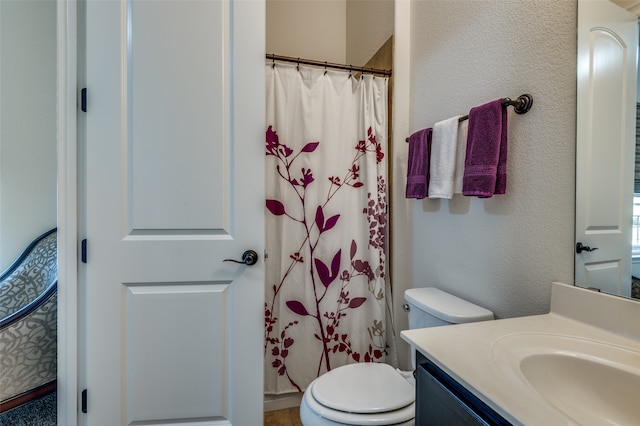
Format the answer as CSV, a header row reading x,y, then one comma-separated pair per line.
x,y
174,185
607,52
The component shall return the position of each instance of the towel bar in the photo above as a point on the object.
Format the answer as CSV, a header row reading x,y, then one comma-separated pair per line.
x,y
521,105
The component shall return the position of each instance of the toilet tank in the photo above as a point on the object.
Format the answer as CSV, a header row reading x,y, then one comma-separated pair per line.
x,y
432,307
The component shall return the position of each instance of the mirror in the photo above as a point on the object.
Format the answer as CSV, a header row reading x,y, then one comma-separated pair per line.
x,y
28,193
606,147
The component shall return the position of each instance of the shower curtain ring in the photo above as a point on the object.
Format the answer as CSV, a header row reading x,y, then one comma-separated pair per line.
x,y
298,65
325,67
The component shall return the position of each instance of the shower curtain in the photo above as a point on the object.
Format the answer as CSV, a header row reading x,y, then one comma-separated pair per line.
x,y
326,186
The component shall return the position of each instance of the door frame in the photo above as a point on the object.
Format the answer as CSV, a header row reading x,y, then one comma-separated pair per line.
x,y
67,174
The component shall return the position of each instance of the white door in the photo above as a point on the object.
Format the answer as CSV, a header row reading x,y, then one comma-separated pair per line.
x,y
174,185
607,51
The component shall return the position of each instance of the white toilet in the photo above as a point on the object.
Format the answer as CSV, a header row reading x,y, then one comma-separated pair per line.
x,y
376,393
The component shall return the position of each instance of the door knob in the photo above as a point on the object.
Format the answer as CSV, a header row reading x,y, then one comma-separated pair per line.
x,y
580,248
249,258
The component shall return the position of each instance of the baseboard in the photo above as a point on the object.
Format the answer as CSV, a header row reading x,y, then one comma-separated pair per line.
x,y
281,402
27,396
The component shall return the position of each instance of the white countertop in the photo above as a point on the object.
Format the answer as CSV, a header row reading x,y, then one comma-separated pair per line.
x,y
466,351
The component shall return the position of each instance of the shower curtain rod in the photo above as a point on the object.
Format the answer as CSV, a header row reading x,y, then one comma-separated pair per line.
x,y
374,71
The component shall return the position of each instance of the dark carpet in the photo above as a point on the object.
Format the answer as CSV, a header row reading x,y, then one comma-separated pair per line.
x,y
39,412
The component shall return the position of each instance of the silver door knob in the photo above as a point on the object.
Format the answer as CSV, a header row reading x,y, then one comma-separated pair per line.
x,y
249,258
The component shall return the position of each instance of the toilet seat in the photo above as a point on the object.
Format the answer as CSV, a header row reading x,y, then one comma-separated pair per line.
x,y
362,394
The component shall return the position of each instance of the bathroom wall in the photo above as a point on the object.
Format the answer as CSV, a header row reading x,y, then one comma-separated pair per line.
x,y
369,25
28,193
339,31
310,29
503,252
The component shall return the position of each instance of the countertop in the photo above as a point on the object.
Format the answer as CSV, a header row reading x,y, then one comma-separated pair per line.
x,y
466,351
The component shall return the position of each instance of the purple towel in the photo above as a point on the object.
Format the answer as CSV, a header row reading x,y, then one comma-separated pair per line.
x,y
418,164
485,166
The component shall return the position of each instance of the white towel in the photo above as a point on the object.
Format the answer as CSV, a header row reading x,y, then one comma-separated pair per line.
x,y
443,158
461,151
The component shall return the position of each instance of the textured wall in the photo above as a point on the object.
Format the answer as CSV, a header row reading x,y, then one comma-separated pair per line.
x,y
504,252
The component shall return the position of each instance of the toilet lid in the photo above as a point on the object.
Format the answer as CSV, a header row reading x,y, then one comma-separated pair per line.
x,y
363,388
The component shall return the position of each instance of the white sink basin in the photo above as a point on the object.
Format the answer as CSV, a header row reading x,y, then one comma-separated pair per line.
x,y
591,382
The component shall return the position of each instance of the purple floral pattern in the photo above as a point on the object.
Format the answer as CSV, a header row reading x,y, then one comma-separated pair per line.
x,y
324,303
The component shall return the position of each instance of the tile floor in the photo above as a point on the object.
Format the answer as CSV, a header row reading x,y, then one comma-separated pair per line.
x,y
286,417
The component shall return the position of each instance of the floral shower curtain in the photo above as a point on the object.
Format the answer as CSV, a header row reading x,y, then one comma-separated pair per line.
x,y
326,185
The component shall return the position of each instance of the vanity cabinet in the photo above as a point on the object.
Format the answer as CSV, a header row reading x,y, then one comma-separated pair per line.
x,y
441,401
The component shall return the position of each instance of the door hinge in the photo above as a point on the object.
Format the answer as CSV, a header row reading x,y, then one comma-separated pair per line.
x,y
84,401
83,99
83,251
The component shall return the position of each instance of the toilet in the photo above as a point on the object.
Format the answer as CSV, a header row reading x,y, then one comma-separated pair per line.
x,y
376,393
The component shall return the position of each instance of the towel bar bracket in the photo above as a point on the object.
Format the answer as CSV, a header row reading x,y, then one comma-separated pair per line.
x,y
522,105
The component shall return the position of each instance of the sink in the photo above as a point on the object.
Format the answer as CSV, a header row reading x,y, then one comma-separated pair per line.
x,y
589,381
